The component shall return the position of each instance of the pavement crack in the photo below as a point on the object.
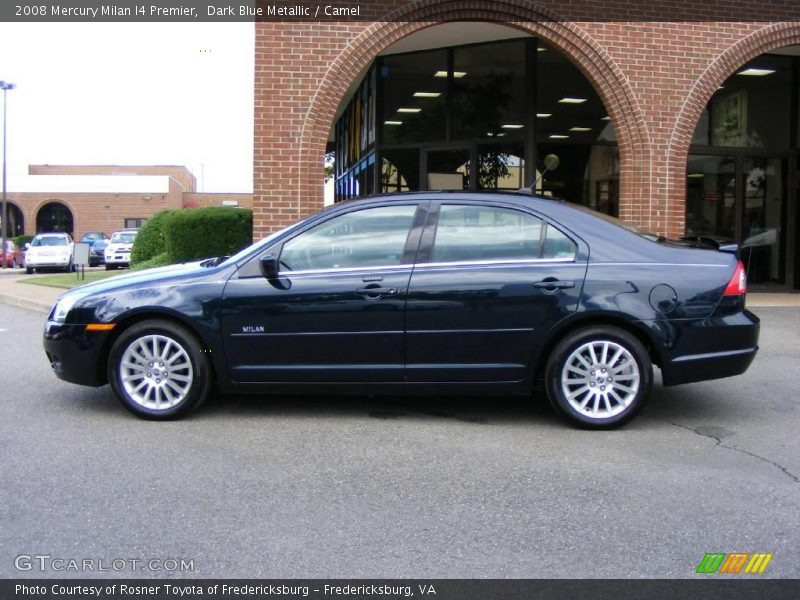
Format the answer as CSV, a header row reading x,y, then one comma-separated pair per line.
x,y
719,443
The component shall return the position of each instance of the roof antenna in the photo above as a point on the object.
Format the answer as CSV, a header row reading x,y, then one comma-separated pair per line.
x,y
551,162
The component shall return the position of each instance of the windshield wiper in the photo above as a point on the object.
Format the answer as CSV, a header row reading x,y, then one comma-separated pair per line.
x,y
213,262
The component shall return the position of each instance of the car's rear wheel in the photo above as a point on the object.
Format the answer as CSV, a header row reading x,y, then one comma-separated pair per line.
x,y
159,371
28,270
599,377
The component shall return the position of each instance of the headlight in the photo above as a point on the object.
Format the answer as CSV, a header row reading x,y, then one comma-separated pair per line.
x,y
65,304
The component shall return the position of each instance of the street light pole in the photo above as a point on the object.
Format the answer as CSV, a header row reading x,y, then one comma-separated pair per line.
x,y
5,86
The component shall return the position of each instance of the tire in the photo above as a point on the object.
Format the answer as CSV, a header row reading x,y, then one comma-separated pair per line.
x,y
109,267
171,397
29,270
575,377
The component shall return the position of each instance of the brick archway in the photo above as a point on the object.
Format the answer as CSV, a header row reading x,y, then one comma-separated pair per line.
x,y
596,64
761,41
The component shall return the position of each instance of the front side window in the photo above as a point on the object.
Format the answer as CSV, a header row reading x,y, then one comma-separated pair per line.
x,y
374,237
481,233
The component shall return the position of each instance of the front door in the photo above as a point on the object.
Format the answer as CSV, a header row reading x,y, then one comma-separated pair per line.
x,y
489,283
336,313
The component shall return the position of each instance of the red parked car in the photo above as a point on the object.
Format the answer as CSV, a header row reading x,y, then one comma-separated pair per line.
x,y
13,256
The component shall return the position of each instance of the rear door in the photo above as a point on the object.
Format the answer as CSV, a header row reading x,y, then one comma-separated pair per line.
x,y
490,280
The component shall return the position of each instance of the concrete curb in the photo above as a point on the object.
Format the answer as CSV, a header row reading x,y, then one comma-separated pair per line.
x,y
25,303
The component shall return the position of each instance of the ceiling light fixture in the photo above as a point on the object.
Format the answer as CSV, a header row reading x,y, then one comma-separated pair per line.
x,y
512,126
409,110
756,72
392,122
544,115
571,100
580,128
427,94
558,136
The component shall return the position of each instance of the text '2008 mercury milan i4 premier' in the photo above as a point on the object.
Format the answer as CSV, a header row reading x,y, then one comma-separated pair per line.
x,y
419,293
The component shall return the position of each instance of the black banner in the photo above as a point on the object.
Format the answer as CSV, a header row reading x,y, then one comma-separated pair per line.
x,y
392,10
398,589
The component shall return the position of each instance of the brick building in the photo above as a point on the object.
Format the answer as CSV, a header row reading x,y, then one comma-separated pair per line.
x,y
677,116
81,198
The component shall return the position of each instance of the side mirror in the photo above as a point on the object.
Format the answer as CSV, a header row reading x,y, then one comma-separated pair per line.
x,y
269,266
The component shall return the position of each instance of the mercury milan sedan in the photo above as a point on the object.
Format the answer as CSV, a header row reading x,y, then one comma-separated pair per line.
x,y
429,293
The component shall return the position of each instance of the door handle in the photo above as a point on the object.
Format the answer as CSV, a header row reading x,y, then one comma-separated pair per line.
x,y
551,284
375,293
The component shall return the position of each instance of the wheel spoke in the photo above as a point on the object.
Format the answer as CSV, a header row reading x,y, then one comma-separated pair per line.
x,y
579,391
604,354
624,388
606,402
592,354
624,364
616,397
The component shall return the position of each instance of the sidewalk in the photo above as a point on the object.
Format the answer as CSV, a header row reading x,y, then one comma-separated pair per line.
x,y
39,298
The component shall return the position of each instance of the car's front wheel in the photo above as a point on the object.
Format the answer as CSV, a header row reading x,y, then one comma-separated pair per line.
x,y
599,377
159,371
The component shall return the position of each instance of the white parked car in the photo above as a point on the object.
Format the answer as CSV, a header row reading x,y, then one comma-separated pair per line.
x,y
118,251
49,251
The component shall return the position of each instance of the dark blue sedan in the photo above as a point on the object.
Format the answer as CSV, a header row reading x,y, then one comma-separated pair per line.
x,y
430,293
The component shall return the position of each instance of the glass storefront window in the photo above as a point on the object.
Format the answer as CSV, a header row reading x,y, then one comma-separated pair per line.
x,y
414,87
399,170
568,109
489,90
501,166
751,109
448,169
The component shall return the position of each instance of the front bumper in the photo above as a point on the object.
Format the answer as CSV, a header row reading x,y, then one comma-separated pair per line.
x,y
712,349
118,258
46,261
76,355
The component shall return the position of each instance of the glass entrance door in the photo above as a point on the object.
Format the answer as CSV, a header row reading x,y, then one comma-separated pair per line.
x,y
742,198
763,245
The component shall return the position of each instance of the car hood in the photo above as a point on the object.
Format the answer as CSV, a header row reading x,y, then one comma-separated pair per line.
x,y
145,278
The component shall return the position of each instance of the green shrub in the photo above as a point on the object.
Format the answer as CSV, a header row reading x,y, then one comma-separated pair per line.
x,y
204,232
159,260
150,241
21,240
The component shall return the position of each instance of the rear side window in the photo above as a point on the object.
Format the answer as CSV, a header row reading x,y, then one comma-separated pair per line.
x,y
558,245
480,233
374,237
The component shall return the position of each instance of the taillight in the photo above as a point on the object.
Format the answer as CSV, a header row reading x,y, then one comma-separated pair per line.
x,y
737,286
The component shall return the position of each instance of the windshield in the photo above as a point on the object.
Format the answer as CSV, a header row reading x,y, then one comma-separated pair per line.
x,y
123,237
49,241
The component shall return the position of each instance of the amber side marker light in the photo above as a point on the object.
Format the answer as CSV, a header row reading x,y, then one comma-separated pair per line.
x,y
100,326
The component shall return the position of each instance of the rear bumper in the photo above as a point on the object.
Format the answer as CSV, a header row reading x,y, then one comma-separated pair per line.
x,y
75,355
712,349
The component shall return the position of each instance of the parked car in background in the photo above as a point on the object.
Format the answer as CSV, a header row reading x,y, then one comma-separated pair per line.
x,y
428,293
49,251
93,236
97,253
12,257
118,251
97,241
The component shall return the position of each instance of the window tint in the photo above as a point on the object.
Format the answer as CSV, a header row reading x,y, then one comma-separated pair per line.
x,y
472,233
374,237
558,245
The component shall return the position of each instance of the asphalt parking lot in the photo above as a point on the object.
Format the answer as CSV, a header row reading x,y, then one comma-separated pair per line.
x,y
397,487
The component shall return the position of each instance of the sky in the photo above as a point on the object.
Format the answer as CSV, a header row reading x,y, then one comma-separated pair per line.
x,y
131,93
